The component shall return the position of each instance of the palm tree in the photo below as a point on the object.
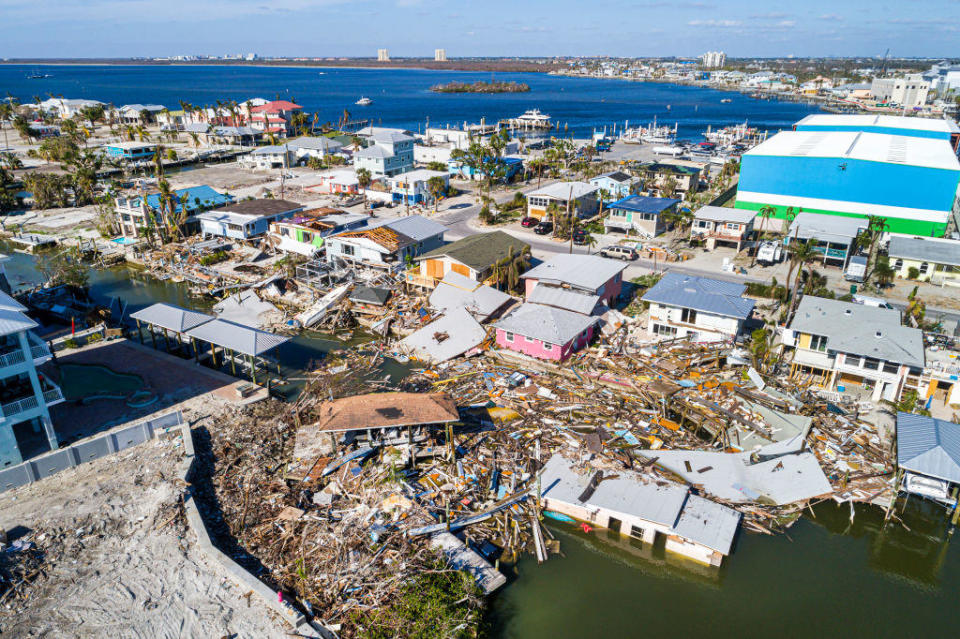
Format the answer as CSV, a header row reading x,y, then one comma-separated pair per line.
x,y
802,253
765,213
437,187
536,165
363,181
883,272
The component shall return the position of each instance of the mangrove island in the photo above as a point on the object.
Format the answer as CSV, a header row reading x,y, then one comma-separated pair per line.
x,y
481,87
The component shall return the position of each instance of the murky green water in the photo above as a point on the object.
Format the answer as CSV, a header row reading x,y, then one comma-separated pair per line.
x,y
827,579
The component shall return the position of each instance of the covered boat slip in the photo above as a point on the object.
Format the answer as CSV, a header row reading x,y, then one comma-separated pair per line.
x,y
206,337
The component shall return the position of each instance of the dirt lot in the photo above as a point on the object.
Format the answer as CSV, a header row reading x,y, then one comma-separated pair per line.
x,y
117,562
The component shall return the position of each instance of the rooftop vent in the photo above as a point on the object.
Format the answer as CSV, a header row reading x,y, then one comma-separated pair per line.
x,y
847,311
878,334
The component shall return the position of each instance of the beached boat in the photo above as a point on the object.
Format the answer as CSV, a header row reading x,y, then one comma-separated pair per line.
x,y
316,312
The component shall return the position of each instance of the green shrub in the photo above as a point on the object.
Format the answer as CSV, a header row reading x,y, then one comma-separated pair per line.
x,y
70,343
94,338
913,273
214,258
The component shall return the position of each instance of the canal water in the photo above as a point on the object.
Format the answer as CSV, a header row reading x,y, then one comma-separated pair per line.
x,y
828,578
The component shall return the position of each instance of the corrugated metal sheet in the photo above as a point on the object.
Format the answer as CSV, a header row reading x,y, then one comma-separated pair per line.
x,y
928,446
552,325
568,299
701,294
237,337
170,317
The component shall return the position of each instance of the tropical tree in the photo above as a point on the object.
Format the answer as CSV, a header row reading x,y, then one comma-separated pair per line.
x,y
537,165
437,187
436,166
883,272
93,114
802,253
22,126
363,181
668,187
765,213
507,270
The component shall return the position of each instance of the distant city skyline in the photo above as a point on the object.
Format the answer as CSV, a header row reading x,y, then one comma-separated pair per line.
x,y
415,28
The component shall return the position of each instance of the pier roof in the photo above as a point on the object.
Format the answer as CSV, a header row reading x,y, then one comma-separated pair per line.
x,y
928,446
173,318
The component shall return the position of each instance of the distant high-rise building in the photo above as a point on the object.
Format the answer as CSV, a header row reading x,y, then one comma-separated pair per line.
x,y
383,55
714,59
440,55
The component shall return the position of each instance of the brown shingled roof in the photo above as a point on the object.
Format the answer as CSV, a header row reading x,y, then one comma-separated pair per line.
x,y
385,410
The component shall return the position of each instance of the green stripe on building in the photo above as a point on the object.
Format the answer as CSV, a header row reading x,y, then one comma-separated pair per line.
x,y
896,224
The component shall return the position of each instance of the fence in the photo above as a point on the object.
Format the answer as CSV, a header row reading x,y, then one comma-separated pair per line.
x,y
87,450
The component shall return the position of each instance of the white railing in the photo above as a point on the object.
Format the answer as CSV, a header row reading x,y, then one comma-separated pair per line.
x,y
53,395
40,351
19,406
12,358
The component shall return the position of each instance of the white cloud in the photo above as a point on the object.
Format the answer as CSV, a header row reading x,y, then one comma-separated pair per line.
x,y
714,23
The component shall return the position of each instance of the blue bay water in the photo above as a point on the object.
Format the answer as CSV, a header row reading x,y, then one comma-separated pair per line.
x,y
402,97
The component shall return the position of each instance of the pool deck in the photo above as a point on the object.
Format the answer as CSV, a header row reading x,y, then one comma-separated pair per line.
x,y
178,383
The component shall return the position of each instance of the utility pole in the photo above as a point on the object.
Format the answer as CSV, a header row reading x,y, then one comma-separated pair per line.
x,y
570,219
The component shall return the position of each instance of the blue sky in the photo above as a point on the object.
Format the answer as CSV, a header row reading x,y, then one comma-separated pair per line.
x,y
119,28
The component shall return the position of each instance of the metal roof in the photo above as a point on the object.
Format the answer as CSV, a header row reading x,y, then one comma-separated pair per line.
x,y
701,294
12,321
928,446
552,325
459,291
480,251
857,145
562,190
564,298
868,121
862,330
318,143
723,214
616,176
643,204
453,334
838,229
925,249
370,295
666,503
237,337
416,227
172,318
194,197
588,272
375,151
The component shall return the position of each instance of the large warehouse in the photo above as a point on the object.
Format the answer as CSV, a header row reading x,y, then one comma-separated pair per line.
x,y
911,181
935,128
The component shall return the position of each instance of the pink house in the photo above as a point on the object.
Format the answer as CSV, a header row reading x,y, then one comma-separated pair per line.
x,y
587,274
545,332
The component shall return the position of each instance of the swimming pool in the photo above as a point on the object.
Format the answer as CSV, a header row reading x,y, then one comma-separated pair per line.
x,y
79,381
124,240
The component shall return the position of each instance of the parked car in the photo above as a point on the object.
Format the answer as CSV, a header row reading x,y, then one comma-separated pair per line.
x,y
619,252
527,222
543,228
579,237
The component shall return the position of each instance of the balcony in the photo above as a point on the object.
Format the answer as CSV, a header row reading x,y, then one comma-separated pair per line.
x,y
414,278
51,395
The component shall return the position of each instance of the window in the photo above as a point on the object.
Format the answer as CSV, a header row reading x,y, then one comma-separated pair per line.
x,y
307,237
636,532
688,316
818,343
732,226
898,264
347,249
508,336
853,360
871,363
662,329
924,268
891,368
233,227
547,346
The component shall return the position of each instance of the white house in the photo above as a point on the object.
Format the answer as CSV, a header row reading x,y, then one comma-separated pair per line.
x,y
390,153
385,243
699,308
582,196
247,219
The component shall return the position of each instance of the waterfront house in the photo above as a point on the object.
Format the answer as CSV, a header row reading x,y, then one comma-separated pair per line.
x,y
268,157
25,393
385,243
135,113
136,213
412,187
247,219
588,275
936,259
698,308
720,225
505,169
581,195
304,233
641,214
544,332
219,134
474,257
304,148
641,507
384,418
389,153
274,117
617,184
928,457
130,151
847,346
66,107
832,236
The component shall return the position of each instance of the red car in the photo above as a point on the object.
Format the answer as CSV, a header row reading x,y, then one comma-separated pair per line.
x,y
529,221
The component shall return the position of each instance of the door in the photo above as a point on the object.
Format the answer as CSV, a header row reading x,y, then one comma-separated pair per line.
x,y
614,524
434,268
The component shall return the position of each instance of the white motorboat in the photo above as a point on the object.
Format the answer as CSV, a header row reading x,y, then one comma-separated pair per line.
x,y
363,101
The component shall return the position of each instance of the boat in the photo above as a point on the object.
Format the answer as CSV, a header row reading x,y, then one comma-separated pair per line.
x,y
316,312
530,119
652,134
363,101
726,101
36,75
